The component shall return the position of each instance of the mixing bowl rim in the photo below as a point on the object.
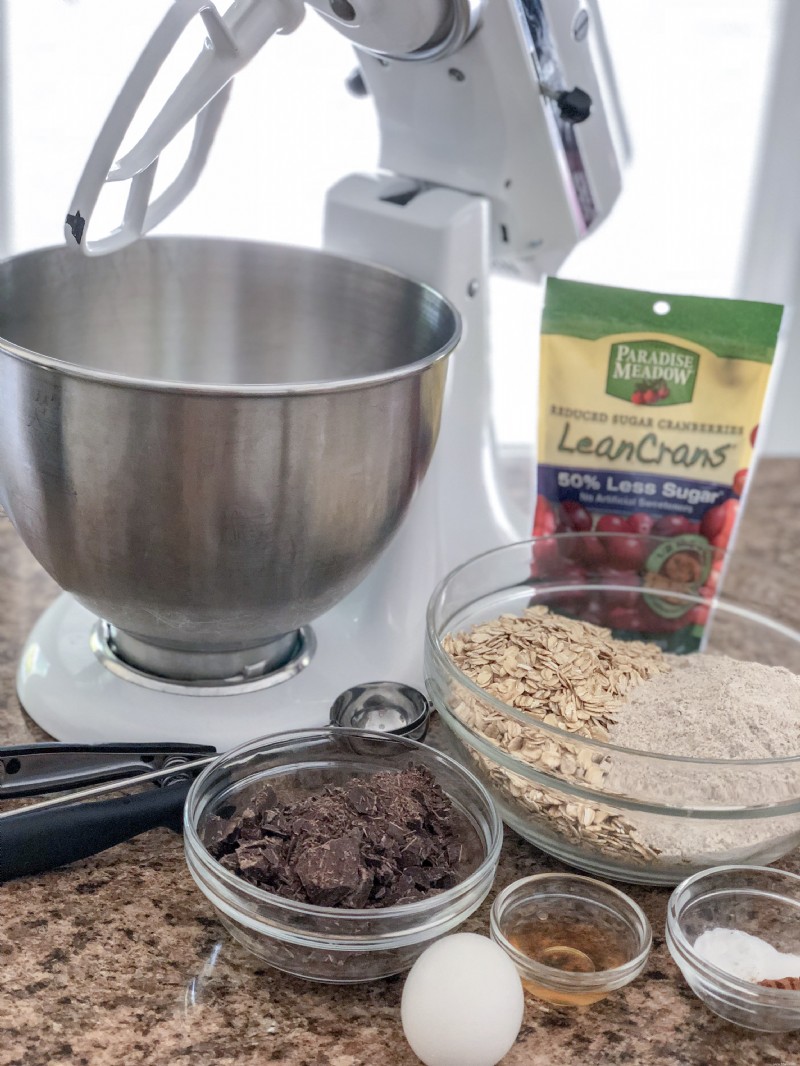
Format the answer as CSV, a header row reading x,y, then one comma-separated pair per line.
x,y
228,389
603,747
684,955
612,978
254,894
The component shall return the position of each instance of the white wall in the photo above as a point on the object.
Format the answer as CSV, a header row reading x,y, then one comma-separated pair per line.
x,y
692,76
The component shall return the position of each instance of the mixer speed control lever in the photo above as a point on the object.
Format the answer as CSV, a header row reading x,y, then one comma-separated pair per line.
x,y
574,105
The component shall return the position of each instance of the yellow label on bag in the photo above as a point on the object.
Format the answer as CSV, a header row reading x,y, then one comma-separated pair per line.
x,y
587,425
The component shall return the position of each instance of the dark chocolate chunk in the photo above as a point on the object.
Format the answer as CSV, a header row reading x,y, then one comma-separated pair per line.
x,y
330,872
361,799
377,841
221,834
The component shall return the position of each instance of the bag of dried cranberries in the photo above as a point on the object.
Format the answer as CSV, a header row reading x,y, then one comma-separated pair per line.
x,y
649,407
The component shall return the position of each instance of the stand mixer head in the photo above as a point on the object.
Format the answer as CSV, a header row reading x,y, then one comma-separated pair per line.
x,y
490,97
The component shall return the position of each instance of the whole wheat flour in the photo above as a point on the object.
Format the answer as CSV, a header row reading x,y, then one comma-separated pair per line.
x,y
710,707
713,707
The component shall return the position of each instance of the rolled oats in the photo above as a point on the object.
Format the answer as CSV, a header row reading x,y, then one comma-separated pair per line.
x,y
567,674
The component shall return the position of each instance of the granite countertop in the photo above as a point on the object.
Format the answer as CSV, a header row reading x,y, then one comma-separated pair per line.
x,y
120,960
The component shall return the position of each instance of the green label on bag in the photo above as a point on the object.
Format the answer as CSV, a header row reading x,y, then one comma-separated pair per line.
x,y
650,372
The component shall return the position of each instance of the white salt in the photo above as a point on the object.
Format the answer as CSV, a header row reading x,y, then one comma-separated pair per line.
x,y
744,956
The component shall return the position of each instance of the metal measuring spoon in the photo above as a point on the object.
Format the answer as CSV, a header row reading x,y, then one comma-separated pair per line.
x,y
383,707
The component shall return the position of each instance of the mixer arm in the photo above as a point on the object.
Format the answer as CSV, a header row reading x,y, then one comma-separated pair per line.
x,y
509,100
233,39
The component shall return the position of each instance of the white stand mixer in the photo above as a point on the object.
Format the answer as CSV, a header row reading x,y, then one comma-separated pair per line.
x,y
481,168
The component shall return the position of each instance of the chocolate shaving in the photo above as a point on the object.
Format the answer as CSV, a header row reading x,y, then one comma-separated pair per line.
x,y
379,840
792,983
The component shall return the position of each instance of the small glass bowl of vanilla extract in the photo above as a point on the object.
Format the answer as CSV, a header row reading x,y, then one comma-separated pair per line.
x,y
573,939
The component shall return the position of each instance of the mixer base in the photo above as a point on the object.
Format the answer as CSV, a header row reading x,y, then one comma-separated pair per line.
x,y
65,688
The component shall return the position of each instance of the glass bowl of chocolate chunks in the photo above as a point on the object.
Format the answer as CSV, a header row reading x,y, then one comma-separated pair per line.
x,y
338,855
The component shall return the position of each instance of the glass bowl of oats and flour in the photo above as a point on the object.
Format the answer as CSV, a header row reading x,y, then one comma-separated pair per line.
x,y
631,728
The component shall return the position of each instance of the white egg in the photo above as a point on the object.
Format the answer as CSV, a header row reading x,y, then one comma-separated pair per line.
x,y
462,1002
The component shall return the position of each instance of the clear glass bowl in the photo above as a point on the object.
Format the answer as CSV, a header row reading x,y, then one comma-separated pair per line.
x,y
573,940
755,900
592,804
324,943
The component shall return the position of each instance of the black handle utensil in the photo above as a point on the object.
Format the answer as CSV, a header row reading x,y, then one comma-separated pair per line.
x,y
32,842
62,829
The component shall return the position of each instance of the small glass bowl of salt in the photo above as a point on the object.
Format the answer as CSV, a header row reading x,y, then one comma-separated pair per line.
x,y
734,931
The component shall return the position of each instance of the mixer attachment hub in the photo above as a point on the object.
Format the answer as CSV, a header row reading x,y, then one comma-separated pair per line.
x,y
212,673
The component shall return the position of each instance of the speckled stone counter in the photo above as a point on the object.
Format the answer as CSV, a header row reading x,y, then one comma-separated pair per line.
x,y
119,961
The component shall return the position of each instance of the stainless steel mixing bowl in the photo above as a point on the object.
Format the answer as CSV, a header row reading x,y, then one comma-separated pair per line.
x,y
209,442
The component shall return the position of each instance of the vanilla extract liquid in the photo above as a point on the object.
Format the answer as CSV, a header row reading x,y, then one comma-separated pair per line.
x,y
570,947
